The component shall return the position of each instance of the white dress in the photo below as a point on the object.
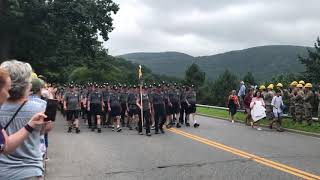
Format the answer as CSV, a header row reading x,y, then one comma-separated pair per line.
x,y
258,111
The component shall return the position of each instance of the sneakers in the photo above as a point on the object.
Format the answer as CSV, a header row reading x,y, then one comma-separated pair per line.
x,y
77,130
178,125
188,124
161,130
196,125
259,128
140,133
70,130
99,130
152,127
119,129
168,126
148,134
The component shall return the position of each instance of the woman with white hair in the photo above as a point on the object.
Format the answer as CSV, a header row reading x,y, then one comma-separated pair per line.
x,y
9,143
26,161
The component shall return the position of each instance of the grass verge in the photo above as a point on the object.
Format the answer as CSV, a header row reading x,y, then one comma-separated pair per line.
x,y
286,122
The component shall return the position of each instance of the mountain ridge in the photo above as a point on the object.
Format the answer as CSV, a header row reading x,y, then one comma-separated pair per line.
x,y
280,59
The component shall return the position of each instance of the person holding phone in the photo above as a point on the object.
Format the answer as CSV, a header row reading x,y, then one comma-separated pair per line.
x,y
24,161
72,105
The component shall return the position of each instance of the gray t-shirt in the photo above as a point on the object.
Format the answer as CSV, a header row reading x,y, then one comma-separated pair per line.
x,y
191,97
26,161
72,99
95,97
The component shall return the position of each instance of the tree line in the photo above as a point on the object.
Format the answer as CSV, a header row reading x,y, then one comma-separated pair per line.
x,y
216,92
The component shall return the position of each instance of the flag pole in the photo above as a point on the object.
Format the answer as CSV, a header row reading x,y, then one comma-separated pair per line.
x,y
141,109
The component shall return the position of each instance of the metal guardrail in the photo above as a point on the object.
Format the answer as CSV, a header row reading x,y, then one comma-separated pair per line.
x,y
241,110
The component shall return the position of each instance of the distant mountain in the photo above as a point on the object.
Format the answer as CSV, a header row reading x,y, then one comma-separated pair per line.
x,y
167,63
264,62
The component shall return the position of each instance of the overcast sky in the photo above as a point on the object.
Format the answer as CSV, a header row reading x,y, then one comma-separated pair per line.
x,y
207,27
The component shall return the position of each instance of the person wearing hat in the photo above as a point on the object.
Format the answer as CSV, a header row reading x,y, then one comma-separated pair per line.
x,y
174,98
115,109
191,99
83,96
277,108
292,102
262,89
95,102
184,106
105,96
124,105
146,109
299,108
72,105
167,107
308,105
159,109
133,111
267,99
151,92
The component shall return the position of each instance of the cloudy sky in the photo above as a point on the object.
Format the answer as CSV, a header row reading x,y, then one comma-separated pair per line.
x,y
207,27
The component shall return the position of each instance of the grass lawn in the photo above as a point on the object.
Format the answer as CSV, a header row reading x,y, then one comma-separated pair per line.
x,y
286,122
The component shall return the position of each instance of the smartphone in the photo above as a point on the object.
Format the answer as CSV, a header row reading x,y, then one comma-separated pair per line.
x,y
51,109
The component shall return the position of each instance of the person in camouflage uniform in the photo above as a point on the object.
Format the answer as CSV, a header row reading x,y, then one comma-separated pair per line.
x,y
299,109
267,99
308,98
292,101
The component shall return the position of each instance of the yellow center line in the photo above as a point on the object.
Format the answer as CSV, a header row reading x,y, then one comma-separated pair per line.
x,y
246,155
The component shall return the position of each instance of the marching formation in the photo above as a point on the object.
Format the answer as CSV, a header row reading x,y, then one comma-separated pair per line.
x,y
120,106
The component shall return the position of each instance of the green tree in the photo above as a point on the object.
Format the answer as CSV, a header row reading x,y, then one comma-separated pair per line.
x,y
195,76
55,36
249,79
312,63
222,87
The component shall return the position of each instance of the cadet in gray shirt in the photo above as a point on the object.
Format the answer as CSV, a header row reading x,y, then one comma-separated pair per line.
x,y
95,102
72,101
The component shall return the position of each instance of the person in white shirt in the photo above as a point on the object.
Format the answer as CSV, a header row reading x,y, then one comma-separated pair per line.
x,y
278,106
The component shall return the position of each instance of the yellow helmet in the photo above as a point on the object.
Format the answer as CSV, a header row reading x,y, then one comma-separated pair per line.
x,y
280,85
302,82
308,85
270,86
294,83
299,86
262,87
34,75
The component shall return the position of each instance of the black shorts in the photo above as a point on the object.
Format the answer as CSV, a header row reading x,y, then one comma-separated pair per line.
x,y
106,107
123,109
191,109
72,115
95,109
115,111
133,112
159,109
168,109
175,108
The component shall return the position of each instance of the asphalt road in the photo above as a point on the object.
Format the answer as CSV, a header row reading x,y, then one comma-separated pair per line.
x,y
176,155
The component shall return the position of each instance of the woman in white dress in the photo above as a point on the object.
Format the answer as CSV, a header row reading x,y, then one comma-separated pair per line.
x,y
257,107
